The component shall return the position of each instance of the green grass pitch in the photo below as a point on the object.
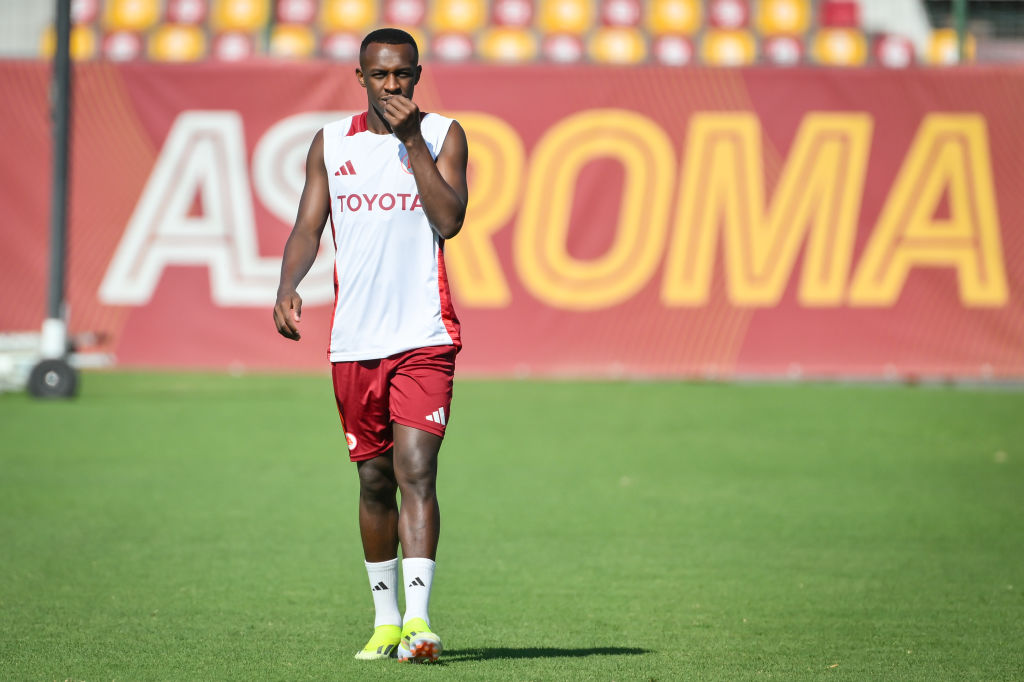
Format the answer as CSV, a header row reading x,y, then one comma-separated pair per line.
x,y
202,527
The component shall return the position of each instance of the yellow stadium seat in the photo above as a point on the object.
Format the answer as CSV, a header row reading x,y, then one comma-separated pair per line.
x,y
674,17
840,47
177,43
348,15
292,41
728,47
942,48
783,17
618,45
508,44
81,45
239,15
573,17
459,16
131,15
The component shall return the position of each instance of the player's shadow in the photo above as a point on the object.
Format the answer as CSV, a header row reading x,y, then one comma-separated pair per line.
x,y
494,653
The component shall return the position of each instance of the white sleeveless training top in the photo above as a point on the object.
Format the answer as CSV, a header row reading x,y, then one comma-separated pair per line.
x,y
391,290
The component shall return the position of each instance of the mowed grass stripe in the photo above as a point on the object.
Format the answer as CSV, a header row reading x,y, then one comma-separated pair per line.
x,y
190,526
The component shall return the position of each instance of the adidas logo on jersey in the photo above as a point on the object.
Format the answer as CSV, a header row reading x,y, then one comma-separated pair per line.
x,y
437,416
346,169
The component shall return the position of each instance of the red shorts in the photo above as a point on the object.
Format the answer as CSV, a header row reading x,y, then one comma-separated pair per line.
x,y
413,388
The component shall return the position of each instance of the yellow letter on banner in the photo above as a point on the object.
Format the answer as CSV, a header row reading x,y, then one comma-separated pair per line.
x,y
495,177
818,194
950,155
541,255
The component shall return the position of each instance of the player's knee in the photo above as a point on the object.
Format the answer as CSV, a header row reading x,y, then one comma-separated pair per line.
x,y
418,479
376,485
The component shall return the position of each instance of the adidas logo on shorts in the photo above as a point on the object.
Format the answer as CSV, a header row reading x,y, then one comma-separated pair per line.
x,y
437,416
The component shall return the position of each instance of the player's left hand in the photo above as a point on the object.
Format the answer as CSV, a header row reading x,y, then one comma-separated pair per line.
x,y
403,116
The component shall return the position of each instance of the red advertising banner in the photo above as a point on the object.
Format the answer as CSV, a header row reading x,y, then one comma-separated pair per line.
x,y
652,221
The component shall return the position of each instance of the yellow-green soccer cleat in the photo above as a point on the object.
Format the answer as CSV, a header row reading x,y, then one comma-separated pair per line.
x,y
383,644
418,644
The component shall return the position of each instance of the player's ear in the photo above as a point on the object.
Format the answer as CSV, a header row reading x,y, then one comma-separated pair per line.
x,y
359,77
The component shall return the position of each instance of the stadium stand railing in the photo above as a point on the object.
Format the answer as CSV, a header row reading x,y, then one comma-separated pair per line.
x,y
783,33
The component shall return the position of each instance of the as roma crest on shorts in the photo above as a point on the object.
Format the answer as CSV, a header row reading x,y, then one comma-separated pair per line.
x,y
351,439
403,156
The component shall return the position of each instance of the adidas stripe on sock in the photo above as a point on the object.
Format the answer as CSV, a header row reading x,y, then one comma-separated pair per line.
x,y
418,575
384,588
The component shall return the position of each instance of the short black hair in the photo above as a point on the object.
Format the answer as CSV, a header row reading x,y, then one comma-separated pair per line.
x,y
389,36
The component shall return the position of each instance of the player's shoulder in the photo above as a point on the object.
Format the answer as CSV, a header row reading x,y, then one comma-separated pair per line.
x,y
345,127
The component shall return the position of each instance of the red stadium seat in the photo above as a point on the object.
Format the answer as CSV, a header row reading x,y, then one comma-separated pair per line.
x,y
122,46
674,17
626,13
672,50
562,48
892,51
296,12
729,14
233,46
512,13
186,11
508,44
342,46
839,14
452,47
84,11
404,12
783,50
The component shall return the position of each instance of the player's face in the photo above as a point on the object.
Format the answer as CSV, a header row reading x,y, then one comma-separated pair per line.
x,y
388,70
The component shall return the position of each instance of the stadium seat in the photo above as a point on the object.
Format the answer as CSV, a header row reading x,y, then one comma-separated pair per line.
x,y
512,13
233,46
625,13
942,48
122,46
176,43
131,15
292,41
82,45
571,17
508,45
452,47
348,15
674,17
672,50
404,12
840,47
239,15
84,11
617,45
458,16
839,14
562,48
892,51
783,50
342,46
296,12
186,11
725,47
729,14
783,17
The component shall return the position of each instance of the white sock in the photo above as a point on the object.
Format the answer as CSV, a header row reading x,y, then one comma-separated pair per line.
x,y
418,575
384,588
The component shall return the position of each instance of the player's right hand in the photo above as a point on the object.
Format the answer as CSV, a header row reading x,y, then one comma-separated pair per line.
x,y
287,314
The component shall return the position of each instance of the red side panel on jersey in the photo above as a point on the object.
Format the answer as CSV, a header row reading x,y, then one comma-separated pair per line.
x,y
358,125
451,320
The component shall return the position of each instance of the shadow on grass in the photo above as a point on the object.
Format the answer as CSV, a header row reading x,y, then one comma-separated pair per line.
x,y
492,653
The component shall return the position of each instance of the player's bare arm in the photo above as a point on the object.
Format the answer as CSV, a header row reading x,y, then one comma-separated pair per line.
x,y
304,241
442,183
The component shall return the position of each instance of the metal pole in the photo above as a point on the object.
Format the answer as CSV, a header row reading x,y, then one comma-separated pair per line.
x,y
54,337
960,24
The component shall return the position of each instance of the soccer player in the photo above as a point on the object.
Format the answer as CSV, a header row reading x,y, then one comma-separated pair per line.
x,y
392,181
